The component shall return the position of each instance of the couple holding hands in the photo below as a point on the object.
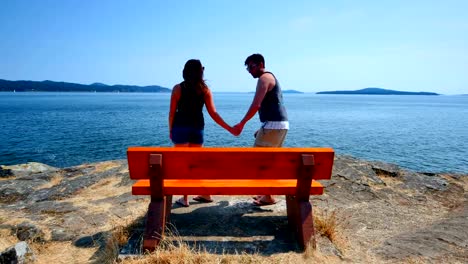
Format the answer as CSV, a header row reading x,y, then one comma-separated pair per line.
x,y
186,122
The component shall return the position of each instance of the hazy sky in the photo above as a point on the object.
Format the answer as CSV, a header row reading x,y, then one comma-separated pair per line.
x,y
311,46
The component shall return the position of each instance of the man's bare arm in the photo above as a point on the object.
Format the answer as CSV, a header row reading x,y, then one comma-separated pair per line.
x,y
261,90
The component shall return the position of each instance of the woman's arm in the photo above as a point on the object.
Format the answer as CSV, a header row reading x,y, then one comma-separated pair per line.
x,y
210,107
175,96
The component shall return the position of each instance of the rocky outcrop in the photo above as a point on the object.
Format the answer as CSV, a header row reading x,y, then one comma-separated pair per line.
x,y
36,195
26,169
400,215
5,173
387,213
18,254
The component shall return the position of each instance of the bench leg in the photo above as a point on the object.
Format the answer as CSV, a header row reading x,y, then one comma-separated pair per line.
x,y
168,208
300,219
155,224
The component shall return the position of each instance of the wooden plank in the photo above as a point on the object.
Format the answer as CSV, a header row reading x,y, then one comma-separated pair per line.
x,y
156,177
300,220
229,163
226,187
304,177
155,224
168,207
305,225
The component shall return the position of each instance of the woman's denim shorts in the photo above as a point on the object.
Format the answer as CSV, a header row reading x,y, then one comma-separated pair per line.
x,y
184,135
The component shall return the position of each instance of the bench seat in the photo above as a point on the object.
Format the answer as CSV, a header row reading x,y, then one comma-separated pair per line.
x,y
226,187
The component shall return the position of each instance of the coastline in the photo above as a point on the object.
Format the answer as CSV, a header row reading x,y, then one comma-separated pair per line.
x,y
69,207
37,167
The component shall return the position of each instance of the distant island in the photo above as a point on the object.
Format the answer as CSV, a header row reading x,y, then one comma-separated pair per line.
x,y
377,91
51,86
292,91
288,92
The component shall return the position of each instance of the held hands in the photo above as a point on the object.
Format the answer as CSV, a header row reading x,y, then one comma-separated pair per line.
x,y
233,131
237,129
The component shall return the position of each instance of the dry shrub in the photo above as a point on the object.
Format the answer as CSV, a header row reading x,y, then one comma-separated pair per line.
x,y
173,250
121,235
331,225
326,223
109,250
111,244
183,254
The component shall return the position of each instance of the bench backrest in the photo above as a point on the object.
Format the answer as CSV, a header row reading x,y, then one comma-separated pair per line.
x,y
230,163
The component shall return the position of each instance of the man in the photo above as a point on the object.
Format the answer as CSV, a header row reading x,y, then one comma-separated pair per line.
x,y
268,101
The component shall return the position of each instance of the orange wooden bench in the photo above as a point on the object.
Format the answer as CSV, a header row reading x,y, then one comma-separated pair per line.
x,y
165,171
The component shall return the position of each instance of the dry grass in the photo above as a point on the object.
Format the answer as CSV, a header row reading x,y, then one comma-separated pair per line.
x,y
105,166
9,218
8,199
119,236
7,239
102,189
330,224
50,252
326,223
108,251
6,178
61,252
415,261
173,250
55,180
389,180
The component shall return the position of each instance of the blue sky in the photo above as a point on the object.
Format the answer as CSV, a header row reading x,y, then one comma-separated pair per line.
x,y
311,46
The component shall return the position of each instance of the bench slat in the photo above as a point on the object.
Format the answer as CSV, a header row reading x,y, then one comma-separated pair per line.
x,y
229,163
225,187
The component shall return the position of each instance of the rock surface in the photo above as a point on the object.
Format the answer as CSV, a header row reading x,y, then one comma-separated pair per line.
x,y
17,254
384,214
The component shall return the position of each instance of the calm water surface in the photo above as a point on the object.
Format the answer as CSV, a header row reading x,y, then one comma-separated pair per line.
x,y
424,133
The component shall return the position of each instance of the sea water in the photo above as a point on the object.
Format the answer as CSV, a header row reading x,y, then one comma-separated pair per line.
x,y
423,133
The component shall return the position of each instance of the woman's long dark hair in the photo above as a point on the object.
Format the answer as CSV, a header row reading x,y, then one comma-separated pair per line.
x,y
193,76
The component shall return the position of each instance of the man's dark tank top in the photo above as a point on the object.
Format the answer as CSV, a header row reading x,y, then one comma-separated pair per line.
x,y
272,107
189,111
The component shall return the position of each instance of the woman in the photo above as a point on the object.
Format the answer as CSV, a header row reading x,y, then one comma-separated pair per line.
x,y
186,122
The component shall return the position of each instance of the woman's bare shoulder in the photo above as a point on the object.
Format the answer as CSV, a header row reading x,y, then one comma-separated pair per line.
x,y
177,88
